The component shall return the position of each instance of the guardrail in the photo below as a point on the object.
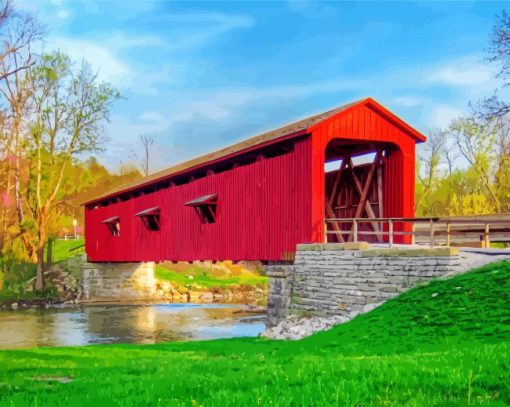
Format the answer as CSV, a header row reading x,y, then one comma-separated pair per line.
x,y
434,231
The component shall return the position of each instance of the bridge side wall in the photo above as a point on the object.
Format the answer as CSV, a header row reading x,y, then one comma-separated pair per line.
x,y
336,279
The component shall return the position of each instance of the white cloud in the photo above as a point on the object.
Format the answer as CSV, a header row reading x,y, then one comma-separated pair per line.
x,y
106,56
468,71
105,61
192,30
151,116
443,115
63,14
118,40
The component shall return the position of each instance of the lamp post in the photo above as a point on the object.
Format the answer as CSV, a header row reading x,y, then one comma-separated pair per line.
x,y
75,223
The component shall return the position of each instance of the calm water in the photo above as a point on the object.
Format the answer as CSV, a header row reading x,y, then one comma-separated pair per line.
x,y
89,324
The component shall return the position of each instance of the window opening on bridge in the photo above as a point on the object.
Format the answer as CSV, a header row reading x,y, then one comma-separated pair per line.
x,y
150,218
113,225
205,207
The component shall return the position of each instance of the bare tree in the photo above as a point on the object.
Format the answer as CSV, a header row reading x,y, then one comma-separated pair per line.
x,y
19,32
144,154
432,159
499,52
502,160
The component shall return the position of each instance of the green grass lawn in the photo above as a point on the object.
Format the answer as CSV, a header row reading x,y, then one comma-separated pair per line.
x,y
446,344
203,278
63,249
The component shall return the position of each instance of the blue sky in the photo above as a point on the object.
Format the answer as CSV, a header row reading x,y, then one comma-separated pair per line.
x,y
201,75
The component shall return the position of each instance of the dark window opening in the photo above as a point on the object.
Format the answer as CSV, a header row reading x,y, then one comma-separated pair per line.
x,y
151,222
114,228
113,225
150,218
207,213
205,207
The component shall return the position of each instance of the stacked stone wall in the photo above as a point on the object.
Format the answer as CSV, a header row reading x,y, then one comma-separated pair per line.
x,y
118,281
338,279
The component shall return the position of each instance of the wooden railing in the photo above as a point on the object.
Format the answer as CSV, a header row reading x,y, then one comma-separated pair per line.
x,y
432,231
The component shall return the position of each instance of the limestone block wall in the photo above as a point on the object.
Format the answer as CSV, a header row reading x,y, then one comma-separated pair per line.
x,y
118,281
279,294
336,279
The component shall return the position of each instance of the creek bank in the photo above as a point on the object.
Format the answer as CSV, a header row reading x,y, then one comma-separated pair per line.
x,y
76,281
35,303
235,294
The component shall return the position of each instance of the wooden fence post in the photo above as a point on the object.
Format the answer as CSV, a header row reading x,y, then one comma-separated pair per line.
x,y
486,237
431,233
390,232
355,230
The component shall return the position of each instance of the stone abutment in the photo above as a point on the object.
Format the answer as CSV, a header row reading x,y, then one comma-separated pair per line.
x,y
339,279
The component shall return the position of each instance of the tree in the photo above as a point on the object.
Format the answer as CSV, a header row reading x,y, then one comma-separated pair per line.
x,y
143,155
474,138
502,161
432,160
19,32
69,108
499,52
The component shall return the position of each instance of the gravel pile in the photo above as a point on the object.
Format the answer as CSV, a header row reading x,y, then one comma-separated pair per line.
x,y
294,327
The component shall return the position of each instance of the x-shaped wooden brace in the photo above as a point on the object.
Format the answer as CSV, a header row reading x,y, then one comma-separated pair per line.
x,y
364,203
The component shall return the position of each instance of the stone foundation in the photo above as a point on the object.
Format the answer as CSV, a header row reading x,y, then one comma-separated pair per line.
x,y
118,281
339,279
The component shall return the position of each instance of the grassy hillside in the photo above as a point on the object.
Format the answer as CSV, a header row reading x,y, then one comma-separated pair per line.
x,y
447,343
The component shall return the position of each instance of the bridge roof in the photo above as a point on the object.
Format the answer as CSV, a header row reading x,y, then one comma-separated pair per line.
x,y
292,130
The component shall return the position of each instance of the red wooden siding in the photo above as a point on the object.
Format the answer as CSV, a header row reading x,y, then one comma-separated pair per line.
x,y
264,207
262,213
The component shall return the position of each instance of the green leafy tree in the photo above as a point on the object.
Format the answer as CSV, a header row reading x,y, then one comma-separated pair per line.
x,y
68,111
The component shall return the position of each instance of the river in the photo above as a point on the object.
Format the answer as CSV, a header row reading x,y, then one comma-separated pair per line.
x,y
87,324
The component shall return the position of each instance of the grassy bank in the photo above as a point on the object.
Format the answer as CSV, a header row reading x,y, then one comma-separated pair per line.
x,y
210,276
447,343
15,274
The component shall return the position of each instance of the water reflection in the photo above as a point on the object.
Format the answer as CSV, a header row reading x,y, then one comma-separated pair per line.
x,y
88,324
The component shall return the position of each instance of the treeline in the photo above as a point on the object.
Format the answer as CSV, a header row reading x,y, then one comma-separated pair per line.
x,y
465,169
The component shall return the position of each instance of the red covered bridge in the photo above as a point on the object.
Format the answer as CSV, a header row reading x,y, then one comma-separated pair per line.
x,y
257,199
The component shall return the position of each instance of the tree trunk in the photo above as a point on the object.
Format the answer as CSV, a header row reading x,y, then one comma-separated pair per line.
x,y
49,254
39,279
41,241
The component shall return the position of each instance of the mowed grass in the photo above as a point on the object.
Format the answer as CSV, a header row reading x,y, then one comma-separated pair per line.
x,y
195,276
64,249
446,344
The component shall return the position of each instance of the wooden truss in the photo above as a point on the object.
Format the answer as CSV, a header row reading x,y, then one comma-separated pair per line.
x,y
363,208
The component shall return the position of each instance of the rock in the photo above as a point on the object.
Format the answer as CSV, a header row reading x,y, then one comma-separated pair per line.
x,y
294,328
208,297
14,305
